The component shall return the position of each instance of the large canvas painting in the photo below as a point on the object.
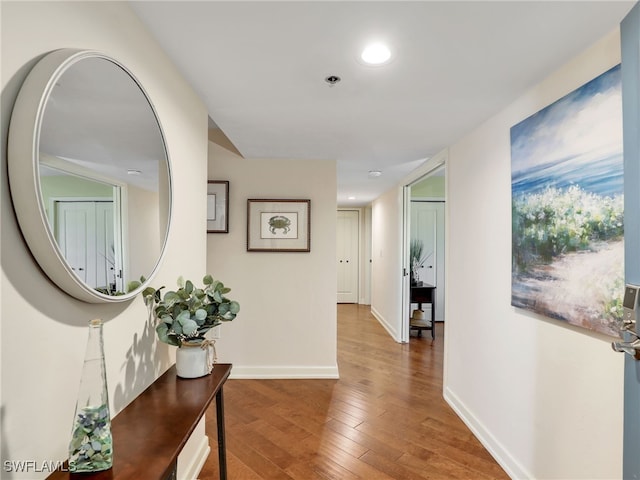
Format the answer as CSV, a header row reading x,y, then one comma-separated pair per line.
x,y
567,208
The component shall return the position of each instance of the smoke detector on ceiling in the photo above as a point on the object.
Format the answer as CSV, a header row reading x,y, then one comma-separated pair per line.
x,y
332,80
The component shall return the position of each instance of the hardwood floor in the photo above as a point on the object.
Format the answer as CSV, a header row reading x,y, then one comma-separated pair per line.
x,y
385,417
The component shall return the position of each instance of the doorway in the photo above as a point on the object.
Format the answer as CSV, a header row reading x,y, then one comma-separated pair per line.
x,y
427,227
424,225
347,255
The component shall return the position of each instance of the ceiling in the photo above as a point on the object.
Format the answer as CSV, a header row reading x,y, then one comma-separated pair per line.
x,y
260,69
122,144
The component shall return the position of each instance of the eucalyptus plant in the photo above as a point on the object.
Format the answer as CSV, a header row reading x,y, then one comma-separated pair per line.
x,y
131,286
189,312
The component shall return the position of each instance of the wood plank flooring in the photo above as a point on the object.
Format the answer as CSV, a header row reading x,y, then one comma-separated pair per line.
x,y
385,417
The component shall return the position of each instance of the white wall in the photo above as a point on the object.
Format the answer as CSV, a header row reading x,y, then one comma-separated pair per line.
x,y
143,256
287,323
44,330
545,397
386,261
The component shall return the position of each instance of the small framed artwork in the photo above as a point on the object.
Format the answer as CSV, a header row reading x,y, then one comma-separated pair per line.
x,y
278,225
217,206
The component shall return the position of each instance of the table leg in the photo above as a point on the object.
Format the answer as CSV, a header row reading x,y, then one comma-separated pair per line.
x,y
433,315
222,447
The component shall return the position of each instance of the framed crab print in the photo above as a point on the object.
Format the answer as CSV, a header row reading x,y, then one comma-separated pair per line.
x,y
278,225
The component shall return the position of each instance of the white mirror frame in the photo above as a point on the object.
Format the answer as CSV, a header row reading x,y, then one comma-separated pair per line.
x,y
24,174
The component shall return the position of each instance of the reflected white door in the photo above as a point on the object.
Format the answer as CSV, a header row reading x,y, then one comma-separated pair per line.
x,y
347,256
106,255
427,224
84,232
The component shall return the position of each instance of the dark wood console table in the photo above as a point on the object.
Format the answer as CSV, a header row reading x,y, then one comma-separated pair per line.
x,y
424,293
150,432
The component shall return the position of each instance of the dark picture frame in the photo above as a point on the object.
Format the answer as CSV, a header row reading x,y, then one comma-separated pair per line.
x,y
217,206
278,225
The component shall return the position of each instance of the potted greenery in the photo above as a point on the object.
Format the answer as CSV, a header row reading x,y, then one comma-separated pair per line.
x,y
186,315
416,258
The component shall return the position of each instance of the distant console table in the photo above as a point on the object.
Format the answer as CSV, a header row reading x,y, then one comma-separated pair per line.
x,y
424,293
150,432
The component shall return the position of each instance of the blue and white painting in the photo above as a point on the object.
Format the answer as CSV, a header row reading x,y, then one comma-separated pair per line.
x,y
567,207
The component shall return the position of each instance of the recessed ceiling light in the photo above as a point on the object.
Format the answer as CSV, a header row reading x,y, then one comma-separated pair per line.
x,y
376,54
374,173
351,198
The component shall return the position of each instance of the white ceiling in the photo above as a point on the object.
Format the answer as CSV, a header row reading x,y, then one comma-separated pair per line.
x,y
260,67
125,136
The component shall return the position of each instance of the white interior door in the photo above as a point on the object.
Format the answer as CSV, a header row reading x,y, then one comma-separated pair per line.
x,y
84,232
424,227
75,224
427,224
347,255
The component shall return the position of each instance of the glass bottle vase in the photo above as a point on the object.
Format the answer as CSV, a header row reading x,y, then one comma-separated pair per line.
x,y
91,445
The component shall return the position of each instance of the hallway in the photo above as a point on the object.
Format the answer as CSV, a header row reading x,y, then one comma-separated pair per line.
x,y
385,417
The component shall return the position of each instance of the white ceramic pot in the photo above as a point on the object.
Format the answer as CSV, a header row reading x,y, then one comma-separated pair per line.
x,y
193,360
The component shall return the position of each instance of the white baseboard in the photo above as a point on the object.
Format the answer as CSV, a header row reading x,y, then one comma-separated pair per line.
x,y
387,326
194,454
272,372
510,465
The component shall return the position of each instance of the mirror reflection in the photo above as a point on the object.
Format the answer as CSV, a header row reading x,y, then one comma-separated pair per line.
x,y
104,175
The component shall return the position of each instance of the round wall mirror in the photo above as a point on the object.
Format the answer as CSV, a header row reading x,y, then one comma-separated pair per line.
x,y
90,176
